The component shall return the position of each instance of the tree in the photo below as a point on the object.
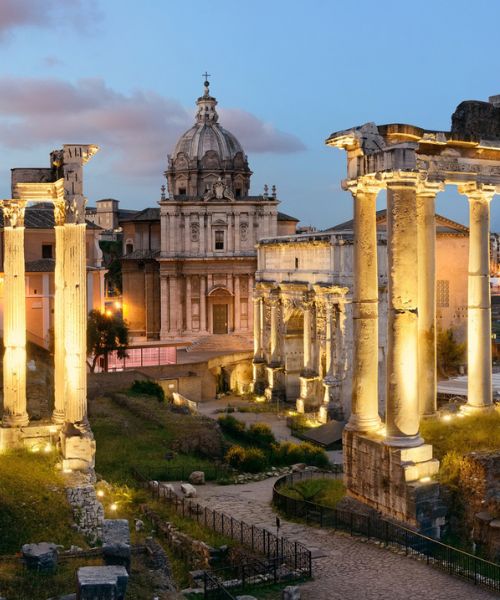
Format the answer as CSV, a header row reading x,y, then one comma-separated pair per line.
x,y
111,253
105,334
450,353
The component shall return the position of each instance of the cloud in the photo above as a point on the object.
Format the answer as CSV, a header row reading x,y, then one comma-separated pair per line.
x,y
258,136
52,61
15,14
135,130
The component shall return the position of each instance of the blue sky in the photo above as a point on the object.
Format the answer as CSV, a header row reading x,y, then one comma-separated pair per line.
x,y
125,74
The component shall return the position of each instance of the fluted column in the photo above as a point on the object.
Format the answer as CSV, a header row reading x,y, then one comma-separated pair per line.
x,y
75,314
479,396
426,238
274,333
402,411
14,318
364,411
59,320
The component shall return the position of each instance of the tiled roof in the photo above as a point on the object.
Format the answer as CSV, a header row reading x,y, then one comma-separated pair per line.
x,y
141,255
42,218
285,217
42,265
148,214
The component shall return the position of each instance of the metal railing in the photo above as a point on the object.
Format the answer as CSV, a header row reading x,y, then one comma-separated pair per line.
x,y
292,554
447,558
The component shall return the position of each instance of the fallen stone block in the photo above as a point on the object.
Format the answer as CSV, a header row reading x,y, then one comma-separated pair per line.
x,y
188,490
116,542
40,557
102,583
291,592
298,467
197,478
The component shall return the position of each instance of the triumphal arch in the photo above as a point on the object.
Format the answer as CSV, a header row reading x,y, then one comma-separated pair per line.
x,y
62,185
389,466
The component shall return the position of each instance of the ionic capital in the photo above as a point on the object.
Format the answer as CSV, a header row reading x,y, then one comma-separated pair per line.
x,y
13,213
365,184
59,212
429,188
477,192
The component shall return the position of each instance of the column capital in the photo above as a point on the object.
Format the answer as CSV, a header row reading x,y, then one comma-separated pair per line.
x,y
365,184
13,213
477,191
401,179
429,188
59,212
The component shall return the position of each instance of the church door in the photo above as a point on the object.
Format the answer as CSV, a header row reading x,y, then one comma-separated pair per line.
x,y
220,318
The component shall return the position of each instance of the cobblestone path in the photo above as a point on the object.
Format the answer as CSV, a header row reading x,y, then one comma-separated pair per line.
x,y
344,568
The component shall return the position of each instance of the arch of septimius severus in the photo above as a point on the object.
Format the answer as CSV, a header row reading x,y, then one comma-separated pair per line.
x,y
388,467
62,185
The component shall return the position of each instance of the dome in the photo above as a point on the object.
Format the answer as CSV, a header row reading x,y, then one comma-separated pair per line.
x,y
207,153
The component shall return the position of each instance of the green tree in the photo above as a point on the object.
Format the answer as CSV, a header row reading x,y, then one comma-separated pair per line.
x,y
105,334
450,353
111,253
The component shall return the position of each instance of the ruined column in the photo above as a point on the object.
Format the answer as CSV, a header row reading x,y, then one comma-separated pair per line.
x,y
14,318
59,320
257,329
308,365
274,335
479,395
426,234
364,411
402,411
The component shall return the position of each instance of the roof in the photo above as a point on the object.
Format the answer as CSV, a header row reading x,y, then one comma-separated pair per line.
x,y
42,265
443,225
148,214
285,217
37,217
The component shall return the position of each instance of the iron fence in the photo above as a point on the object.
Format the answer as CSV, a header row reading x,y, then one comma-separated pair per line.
x,y
447,558
291,554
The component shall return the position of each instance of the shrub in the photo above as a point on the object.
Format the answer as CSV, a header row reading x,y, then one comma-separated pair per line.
x,y
150,388
261,434
289,453
232,426
249,460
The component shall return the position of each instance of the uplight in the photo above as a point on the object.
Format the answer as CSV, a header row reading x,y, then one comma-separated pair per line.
x,y
47,448
113,507
100,493
425,479
446,417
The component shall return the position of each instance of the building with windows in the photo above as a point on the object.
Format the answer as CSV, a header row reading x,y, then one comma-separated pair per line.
x,y
189,265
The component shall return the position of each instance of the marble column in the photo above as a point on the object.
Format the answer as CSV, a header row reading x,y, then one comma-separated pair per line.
x,y
402,411
479,395
164,304
328,341
257,329
274,334
308,364
364,412
189,318
426,234
237,304
14,318
59,320
203,303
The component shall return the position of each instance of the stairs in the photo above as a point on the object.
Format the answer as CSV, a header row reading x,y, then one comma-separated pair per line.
x,y
231,342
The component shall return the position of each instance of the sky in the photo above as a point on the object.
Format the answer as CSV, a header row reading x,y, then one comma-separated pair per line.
x,y
125,75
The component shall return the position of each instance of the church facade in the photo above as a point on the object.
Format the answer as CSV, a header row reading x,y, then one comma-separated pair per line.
x,y
189,268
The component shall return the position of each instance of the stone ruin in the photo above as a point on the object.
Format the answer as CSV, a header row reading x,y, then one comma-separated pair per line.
x,y
389,467
62,185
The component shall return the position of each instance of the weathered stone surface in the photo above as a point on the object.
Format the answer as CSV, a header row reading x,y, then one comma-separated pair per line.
x,y
88,512
188,490
116,542
102,583
78,449
298,467
197,478
40,557
160,563
476,120
291,592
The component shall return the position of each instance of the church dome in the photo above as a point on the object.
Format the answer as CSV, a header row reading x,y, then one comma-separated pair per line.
x,y
206,153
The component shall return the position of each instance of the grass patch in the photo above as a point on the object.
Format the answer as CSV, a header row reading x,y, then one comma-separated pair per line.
x,y
33,504
327,492
462,435
143,438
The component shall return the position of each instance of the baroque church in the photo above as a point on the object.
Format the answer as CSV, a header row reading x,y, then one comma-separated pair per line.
x,y
189,266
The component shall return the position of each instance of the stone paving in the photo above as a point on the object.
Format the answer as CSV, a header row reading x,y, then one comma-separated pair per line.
x,y
344,568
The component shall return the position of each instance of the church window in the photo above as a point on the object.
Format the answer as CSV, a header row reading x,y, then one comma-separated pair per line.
x,y
129,248
182,191
219,240
238,193
443,293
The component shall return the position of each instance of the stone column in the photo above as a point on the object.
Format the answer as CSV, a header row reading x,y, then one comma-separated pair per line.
x,y
75,314
426,234
202,234
236,233
257,328
14,318
402,412
364,412
230,233
187,234
59,319
164,304
189,319
274,334
237,304
479,395
173,305
328,341
203,303
307,339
